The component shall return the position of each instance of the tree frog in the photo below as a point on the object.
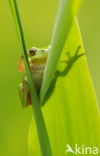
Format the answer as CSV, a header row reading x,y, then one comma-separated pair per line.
x,y
37,59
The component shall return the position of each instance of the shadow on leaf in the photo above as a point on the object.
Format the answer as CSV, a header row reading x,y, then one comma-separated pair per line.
x,y
69,64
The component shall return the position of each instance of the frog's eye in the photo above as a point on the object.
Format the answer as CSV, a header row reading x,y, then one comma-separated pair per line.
x,y
32,51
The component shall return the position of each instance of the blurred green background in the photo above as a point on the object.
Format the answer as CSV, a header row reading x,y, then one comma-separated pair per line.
x,y
38,20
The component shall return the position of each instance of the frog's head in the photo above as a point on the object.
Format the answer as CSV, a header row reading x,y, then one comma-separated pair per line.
x,y
35,51
35,55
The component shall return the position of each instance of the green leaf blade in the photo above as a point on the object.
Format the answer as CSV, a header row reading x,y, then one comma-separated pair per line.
x,y
71,113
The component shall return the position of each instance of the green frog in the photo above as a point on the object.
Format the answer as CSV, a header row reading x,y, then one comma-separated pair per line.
x,y
37,60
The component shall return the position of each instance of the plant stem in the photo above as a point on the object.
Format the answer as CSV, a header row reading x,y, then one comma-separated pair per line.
x,y
21,30
40,124
61,30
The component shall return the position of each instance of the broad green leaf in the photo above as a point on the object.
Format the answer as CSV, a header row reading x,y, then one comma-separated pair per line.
x,y
71,113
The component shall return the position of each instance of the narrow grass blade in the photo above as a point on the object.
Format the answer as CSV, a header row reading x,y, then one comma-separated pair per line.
x,y
41,128
11,4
